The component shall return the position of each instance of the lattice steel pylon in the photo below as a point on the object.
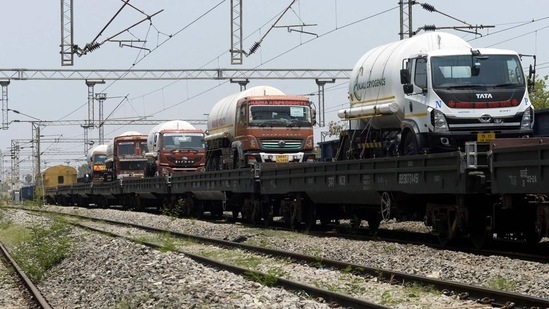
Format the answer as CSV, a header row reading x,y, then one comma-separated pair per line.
x,y
236,32
406,16
67,39
15,163
4,99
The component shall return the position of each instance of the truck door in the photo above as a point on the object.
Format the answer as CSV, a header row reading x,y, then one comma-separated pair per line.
x,y
417,103
241,120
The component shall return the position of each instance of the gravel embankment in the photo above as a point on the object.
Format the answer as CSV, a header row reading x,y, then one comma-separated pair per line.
x,y
109,272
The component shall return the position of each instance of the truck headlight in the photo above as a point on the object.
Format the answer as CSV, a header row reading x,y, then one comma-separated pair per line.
x,y
526,122
439,122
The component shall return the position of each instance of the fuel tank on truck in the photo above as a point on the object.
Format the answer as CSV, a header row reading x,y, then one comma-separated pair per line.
x,y
222,117
172,125
375,90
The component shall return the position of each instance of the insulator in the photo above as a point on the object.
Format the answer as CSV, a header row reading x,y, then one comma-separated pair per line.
x,y
428,7
92,47
254,48
430,27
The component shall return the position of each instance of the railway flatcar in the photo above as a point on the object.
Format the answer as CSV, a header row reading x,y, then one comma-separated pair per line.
x,y
490,189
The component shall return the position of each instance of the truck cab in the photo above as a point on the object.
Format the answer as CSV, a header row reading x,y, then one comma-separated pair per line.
x,y
478,95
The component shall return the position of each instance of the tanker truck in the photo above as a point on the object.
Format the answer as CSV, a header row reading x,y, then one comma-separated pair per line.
x,y
126,156
174,147
259,125
432,93
96,162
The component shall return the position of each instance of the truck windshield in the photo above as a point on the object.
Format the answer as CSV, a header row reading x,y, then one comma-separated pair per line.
x,y
482,70
99,158
276,115
183,141
132,148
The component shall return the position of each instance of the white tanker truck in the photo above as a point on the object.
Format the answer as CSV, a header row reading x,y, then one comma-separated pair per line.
x,y
96,162
431,93
259,125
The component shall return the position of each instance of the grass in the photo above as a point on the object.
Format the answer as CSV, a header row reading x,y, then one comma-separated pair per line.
x,y
165,241
501,283
37,248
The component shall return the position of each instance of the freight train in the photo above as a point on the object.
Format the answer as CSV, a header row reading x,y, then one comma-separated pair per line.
x,y
493,188
434,135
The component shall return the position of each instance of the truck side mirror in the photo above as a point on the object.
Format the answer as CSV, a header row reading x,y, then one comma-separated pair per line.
x,y
313,113
404,76
408,88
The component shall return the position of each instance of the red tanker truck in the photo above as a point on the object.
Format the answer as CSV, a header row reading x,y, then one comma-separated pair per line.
x,y
259,125
126,156
174,146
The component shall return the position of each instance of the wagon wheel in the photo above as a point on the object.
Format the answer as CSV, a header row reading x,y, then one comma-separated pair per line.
x,y
295,214
481,237
535,234
309,216
386,205
373,222
267,212
256,212
355,222
444,239
446,232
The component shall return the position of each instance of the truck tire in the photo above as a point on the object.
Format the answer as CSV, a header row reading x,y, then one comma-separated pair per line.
x,y
409,145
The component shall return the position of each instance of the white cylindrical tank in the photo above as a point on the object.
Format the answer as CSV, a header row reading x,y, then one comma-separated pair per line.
x,y
168,125
222,117
94,150
130,133
375,88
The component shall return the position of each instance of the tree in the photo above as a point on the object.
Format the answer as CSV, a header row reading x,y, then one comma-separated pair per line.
x,y
82,170
540,95
336,127
28,178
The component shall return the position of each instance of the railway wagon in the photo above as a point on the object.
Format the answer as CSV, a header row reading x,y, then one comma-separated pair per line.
x,y
56,177
27,193
470,193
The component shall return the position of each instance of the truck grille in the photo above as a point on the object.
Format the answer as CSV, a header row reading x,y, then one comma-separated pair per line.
x,y
281,144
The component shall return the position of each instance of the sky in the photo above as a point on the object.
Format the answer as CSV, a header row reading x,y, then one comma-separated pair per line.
x,y
189,34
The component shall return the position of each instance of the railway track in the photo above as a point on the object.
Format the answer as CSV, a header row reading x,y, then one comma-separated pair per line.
x,y
465,291
29,293
506,248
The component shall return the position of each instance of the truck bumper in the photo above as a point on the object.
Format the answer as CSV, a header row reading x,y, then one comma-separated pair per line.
x,y
264,157
451,141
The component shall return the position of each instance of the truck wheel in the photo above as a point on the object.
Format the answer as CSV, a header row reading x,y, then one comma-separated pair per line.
x,y
409,144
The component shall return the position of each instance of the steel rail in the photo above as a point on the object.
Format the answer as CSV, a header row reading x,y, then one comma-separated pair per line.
x,y
480,294
33,290
329,296
483,295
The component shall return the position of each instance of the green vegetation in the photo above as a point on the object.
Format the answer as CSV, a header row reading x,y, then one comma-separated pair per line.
x,y
540,95
270,278
165,241
501,283
136,302
38,248
175,210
